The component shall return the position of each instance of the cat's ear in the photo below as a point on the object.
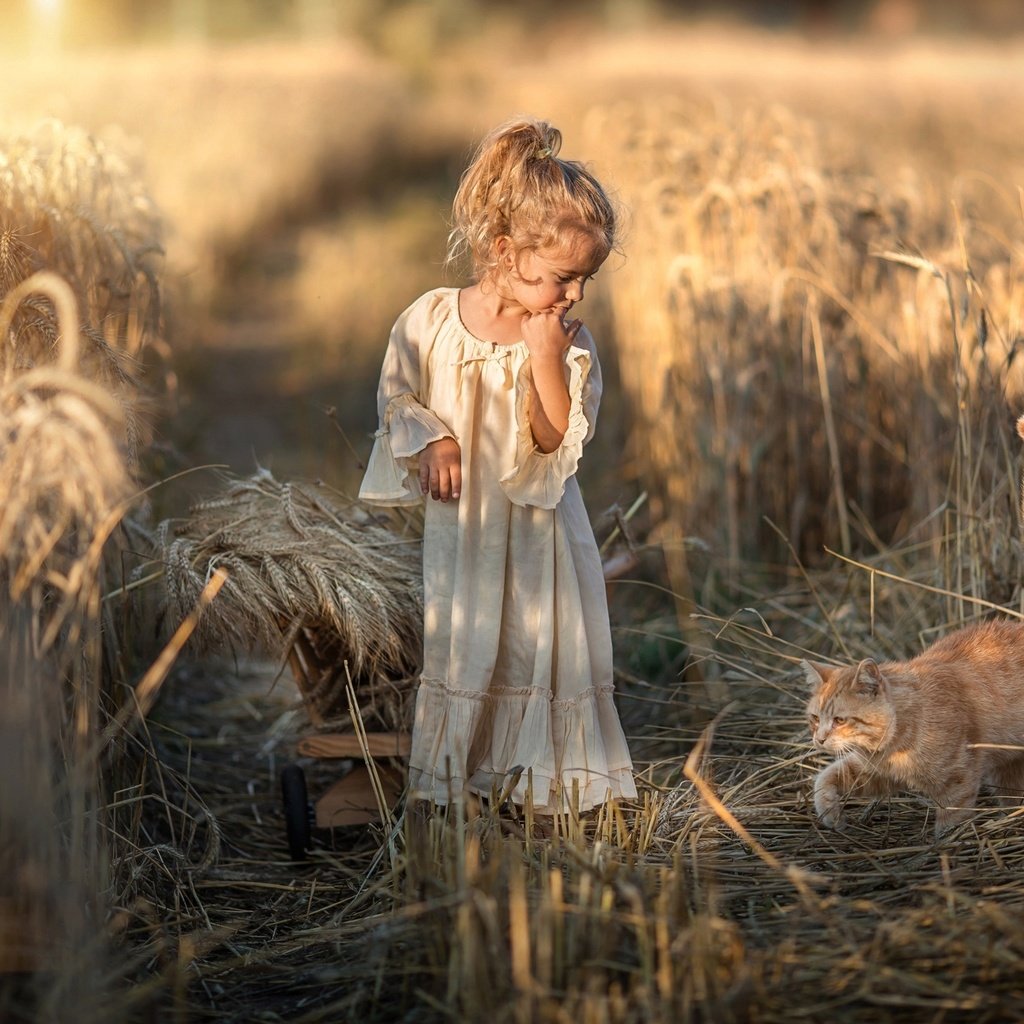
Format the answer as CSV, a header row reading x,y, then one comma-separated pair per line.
x,y
870,680
816,674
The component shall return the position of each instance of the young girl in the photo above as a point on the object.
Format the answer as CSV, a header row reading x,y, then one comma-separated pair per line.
x,y
487,396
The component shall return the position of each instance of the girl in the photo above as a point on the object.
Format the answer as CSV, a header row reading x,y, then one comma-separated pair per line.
x,y
487,396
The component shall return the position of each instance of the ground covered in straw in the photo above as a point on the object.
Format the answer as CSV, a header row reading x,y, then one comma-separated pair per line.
x,y
717,897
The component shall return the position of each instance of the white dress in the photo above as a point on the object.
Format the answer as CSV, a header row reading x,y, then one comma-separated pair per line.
x,y
517,660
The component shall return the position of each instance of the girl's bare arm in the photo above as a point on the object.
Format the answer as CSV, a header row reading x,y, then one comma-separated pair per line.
x,y
547,339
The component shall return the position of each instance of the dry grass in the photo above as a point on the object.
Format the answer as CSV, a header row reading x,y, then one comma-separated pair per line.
x,y
80,302
231,141
766,277
718,897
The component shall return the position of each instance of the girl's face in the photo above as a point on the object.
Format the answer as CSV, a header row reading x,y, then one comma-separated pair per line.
x,y
546,280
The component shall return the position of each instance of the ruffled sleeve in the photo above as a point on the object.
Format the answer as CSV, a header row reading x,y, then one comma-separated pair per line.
x,y
406,425
538,478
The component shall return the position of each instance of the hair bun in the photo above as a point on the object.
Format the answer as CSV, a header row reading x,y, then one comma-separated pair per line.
x,y
549,141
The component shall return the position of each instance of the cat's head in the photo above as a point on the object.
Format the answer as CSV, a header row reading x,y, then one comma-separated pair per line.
x,y
849,706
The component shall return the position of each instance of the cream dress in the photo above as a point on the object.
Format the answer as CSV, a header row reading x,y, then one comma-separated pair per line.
x,y
517,659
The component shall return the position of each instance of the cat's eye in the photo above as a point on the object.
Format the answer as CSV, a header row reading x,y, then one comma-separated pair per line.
x,y
838,721
814,719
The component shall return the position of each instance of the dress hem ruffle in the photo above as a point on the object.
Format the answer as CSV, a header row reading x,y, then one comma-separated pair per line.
x,y
477,741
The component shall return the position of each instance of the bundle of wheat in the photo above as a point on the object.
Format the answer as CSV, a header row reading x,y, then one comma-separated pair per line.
x,y
311,578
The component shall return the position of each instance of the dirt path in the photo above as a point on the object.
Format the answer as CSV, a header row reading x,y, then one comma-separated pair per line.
x,y
262,930
253,394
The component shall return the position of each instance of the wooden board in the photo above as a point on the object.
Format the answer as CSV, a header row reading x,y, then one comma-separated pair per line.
x,y
346,744
350,801
20,948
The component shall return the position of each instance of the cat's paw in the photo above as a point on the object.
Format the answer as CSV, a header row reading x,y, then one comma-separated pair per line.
x,y
830,813
948,822
828,803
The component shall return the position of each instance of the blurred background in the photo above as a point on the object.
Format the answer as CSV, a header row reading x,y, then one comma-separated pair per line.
x,y
301,158
64,23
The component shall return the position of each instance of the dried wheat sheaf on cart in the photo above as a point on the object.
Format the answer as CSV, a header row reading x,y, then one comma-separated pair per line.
x,y
313,579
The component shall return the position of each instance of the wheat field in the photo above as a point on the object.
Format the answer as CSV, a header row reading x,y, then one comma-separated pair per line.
x,y
812,340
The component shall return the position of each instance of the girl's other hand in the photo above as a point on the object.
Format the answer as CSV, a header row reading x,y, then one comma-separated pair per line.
x,y
441,469
547,334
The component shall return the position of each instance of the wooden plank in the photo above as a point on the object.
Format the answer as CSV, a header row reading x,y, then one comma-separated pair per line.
x,y
346,744
350,801
20,948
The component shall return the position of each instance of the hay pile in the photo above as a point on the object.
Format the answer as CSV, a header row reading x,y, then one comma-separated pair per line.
x,y
311,579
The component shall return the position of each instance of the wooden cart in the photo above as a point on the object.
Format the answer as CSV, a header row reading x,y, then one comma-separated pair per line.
x,y
370,787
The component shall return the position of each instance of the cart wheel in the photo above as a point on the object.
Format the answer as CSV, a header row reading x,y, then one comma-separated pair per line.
x,y
298,811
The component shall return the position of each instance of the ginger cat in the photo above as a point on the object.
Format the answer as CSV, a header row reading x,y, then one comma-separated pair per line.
x,y
910,725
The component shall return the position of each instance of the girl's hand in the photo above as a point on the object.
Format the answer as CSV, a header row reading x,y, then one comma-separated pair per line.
x,y
441,469
547,335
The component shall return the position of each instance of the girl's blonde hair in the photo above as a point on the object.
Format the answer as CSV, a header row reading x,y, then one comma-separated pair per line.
x,y
516,186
